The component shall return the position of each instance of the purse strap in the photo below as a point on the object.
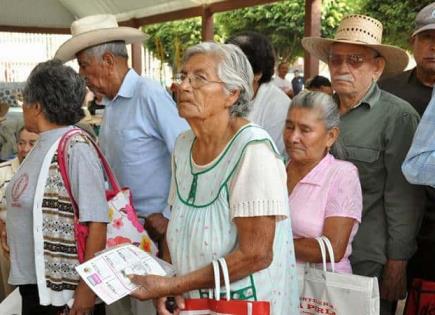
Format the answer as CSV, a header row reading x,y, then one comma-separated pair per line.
x,y
63,158
330,252
224,268
324,242
217,280
322,251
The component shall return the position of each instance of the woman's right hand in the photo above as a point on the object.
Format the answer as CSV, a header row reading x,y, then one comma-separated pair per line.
x,y
4,239
161,305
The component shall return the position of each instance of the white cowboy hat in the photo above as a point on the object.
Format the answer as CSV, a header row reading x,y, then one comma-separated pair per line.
x,y
94,30
359,30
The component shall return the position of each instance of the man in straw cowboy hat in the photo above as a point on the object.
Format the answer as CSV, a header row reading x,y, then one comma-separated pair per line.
x,y
376,132
415,86
140,122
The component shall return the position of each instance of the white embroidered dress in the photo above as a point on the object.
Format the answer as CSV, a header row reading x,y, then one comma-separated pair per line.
x,y
247,179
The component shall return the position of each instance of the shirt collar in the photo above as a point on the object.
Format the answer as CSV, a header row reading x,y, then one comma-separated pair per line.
x,y
412,75
127,87
372,95
370,99
318,174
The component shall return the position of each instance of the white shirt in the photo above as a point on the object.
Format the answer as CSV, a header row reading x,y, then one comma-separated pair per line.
x,y
269,110
283,84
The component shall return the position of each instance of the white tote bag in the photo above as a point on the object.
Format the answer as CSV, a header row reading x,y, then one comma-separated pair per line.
x,y
328,292
225,306
11,305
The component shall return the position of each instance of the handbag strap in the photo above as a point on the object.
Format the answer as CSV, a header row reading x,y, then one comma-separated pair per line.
x,y
106,167
226,275
62,162
217,280
330,251
322,251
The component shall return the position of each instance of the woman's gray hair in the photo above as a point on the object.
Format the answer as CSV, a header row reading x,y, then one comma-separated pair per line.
x,y
117,48
58,89
320,101
233,68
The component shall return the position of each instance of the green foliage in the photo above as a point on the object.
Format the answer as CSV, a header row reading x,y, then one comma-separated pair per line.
x,y
283,23
397,17
173,38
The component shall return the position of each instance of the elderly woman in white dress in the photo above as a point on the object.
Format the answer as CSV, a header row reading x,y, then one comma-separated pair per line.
x,y
228,196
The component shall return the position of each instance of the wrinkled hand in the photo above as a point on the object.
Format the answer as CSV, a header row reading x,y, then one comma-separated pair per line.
x,y
84,300
393,286
4,239
151,286
156,225
158,288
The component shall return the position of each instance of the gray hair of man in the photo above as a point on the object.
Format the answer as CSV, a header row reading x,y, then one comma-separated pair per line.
x,y
320,101
233,69
117,48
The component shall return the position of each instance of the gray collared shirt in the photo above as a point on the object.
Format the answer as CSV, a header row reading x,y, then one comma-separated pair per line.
x,y
376,136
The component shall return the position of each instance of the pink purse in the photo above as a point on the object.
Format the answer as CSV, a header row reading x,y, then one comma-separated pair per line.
x,y
124,225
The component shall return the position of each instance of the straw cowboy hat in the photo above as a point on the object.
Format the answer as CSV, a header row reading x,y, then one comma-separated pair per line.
x,y
359,30
94,30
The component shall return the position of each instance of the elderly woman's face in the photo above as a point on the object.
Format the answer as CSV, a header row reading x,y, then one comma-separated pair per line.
x,y
305,135
202,94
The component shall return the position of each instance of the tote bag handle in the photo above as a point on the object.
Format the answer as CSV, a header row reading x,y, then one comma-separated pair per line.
x,y
217,280
323,252
324,241
330,251
226,275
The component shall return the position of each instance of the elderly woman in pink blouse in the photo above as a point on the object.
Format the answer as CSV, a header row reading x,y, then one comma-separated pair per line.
x,y
325,193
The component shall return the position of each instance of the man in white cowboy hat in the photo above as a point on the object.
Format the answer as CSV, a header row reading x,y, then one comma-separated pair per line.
x,y
376,132
415,86
140,122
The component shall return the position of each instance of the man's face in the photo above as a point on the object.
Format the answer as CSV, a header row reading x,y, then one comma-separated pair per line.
x,y
423,46
353,68
95,72
26,141
282,70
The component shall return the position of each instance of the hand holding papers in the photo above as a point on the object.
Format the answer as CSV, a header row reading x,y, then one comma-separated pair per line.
x,y
106,274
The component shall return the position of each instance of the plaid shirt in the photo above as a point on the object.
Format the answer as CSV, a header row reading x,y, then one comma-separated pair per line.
x,y
419,164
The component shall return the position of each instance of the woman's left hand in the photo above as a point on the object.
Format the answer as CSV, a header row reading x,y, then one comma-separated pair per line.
x,y
84,300
151,287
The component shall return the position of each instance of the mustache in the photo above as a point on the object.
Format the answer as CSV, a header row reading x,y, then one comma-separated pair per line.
x,y
343,77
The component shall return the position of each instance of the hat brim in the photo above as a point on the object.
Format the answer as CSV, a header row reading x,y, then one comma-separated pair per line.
x,y
424,28
68,50
396,59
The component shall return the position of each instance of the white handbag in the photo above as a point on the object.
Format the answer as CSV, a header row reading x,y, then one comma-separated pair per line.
x,y
11,305
328,292
226,306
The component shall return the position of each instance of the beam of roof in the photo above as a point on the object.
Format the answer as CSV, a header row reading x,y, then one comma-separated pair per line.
x,y
165,17
32,29
213,7
38,18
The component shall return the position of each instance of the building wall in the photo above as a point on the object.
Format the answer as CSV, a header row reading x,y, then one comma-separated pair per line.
x,y
21,52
